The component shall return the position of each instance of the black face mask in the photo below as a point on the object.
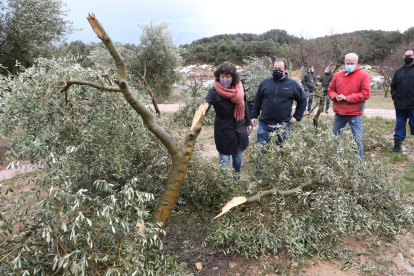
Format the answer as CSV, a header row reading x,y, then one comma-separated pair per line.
x,y
278,74
408,60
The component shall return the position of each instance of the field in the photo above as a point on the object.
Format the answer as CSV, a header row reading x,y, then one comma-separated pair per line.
x,y
185,240
378,101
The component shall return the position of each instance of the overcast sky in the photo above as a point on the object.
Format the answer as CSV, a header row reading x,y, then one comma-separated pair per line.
x,y
190,20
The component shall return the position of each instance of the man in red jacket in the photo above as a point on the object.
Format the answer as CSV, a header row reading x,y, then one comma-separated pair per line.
x,y
349,89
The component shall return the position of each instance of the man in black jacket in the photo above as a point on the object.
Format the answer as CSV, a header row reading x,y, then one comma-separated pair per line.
x,y
308,81
274,100
402,92
326,80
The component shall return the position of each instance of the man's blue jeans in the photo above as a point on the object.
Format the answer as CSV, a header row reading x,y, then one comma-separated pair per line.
x,y
224,160
355,122
263,133
402,115
309,95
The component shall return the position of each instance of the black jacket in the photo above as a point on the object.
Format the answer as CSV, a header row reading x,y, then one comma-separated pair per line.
x,y
326,80
402,87
275,99
308,79
227,131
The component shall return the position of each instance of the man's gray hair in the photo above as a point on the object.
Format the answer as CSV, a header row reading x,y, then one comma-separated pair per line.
x,y
356,56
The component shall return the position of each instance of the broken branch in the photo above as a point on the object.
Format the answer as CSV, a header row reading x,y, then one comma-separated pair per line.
x,y
241,200
92,84
199,115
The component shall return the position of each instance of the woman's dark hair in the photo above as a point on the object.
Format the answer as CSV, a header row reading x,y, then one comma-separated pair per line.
x,y
227,68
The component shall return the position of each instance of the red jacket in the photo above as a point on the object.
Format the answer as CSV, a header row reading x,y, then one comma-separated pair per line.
x,y
356,86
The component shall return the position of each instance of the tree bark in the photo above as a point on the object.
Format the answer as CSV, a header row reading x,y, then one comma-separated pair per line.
x,y
180,164
154,103
320,108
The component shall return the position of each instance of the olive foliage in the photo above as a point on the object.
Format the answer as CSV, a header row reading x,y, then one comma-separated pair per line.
x,y
342,195
152,63
28,28
185,113
255,71
88,211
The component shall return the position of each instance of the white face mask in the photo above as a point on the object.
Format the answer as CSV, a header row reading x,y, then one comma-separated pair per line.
x,y
349,68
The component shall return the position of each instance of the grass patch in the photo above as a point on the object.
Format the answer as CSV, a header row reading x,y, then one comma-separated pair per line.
x,y
379,101
380,124
375,253
19,177
384,262
397,158
406,181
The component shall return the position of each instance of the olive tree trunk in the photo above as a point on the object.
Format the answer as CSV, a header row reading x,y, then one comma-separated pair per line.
x,y
180,154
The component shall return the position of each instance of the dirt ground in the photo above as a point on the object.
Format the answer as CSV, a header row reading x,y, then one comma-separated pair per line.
x,y
368,112
394,257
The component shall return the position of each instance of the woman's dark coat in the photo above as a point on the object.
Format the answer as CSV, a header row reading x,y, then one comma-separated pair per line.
x,y
227,131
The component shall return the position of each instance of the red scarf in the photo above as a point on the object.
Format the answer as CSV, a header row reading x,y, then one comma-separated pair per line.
x,y
236,95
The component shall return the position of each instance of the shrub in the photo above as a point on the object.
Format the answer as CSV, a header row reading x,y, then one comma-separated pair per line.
x,y
342,195
185,114
101,169
206,186
255,71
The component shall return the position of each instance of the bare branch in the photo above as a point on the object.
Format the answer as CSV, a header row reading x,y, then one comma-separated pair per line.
x,y
101,80
151,91
89,83
241,200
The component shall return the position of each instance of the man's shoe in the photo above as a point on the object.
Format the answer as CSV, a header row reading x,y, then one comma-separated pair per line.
x,y
326,111
397,146
305,113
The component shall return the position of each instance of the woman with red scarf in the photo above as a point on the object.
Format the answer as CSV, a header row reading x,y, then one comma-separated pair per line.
x,y
232,123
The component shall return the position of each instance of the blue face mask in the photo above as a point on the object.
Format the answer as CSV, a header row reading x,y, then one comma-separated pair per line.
x,y
349,68
226,83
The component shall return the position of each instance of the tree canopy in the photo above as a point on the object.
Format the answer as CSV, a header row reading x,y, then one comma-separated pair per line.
x,y
371,46
28,29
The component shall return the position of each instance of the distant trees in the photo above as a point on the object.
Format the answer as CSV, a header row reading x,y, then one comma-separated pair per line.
x,y
195,81
28,28
386,68
371,46
157,58
152,63
236,47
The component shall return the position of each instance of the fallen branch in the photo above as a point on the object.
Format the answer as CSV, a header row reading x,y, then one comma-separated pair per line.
x,y
242,200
